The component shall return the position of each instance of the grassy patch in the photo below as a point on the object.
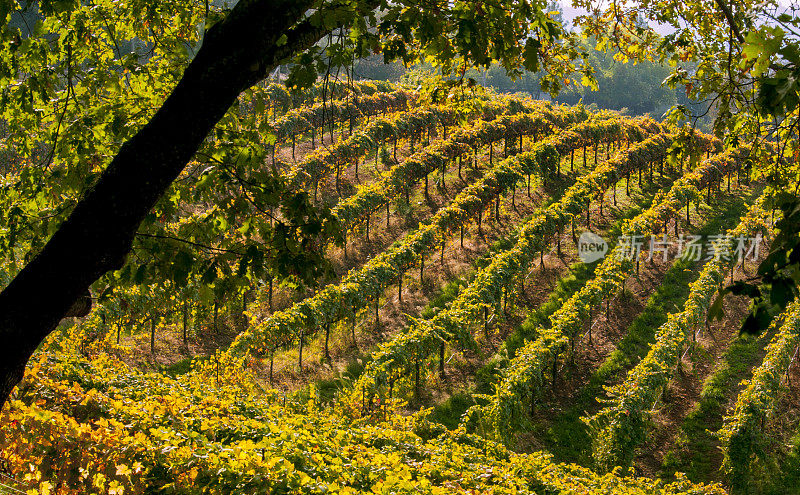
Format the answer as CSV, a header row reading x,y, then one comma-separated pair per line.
x,y
579,273
788,481
179,368
450,411
696,447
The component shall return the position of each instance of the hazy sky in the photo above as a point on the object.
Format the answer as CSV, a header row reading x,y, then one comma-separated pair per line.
x,y
571,12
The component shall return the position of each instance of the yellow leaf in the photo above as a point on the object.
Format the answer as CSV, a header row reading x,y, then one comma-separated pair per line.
x,y
115,488
123,470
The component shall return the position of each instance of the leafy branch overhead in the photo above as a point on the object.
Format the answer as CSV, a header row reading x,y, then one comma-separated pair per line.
x,y
776,282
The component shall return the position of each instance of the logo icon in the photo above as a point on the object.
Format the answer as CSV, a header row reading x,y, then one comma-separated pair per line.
x,y
591,247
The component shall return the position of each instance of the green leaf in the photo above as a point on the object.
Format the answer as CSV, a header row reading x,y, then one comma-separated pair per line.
x,y
762,45
531,60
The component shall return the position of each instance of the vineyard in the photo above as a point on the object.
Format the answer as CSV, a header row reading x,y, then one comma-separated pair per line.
x,y
455,341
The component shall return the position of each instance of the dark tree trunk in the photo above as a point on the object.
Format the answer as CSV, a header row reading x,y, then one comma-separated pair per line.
x,y
216,316
338,181
327,354
237,52
441,360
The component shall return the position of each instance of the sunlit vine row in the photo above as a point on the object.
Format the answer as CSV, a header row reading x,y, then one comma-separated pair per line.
x,y
277,99
742,433
372,197
621,425
361,286
303,119
111,429
401,125
394,358
524,376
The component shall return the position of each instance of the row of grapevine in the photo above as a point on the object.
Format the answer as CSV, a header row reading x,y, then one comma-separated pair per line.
x,y
524,377
313,168
742,432
277,99
108,428
401,122
620,426
303,119
394,358
372,197
293,451
367,283
401,125
404,124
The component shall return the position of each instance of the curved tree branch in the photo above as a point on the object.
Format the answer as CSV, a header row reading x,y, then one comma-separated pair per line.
x,y
726,11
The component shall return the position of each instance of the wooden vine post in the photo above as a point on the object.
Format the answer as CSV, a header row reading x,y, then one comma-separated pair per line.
x,y
400,290
153,334
300,352
441,360
326,352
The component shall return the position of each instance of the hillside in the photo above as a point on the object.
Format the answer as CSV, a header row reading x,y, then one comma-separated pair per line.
x,y
458,343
